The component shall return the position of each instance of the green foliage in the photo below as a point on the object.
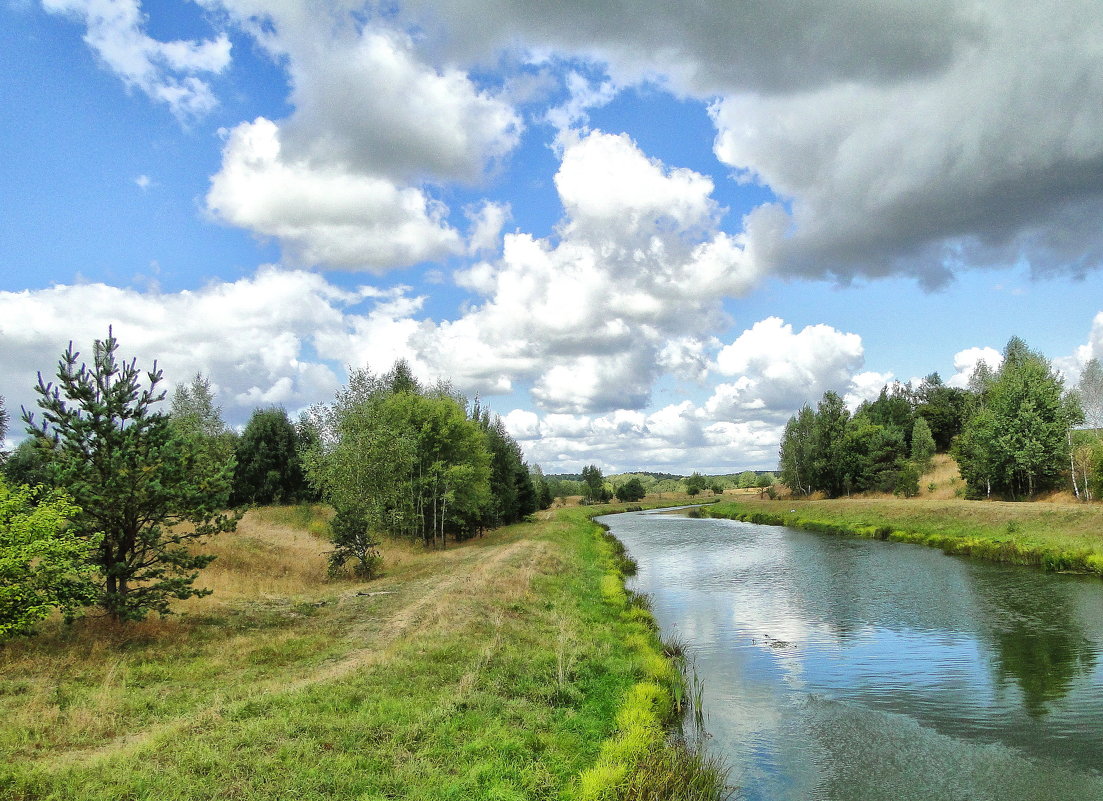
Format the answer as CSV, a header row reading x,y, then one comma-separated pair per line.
x,y
944,408
695,483
1016,442
828,429
29,464
1090,392
923,444
269,469
907,480
406,460
353,542
193,410
513,494
594,490
43,564
3,422
146,489
196,419
795,460
631,490
747,479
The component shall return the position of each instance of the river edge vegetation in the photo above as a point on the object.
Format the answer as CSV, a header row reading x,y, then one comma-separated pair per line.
x,y
1051,536
509,666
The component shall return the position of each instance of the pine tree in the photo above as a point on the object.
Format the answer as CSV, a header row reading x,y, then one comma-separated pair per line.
x,y
135,480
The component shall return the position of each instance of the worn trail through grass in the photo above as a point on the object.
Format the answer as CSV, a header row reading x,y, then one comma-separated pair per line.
x,y
492,669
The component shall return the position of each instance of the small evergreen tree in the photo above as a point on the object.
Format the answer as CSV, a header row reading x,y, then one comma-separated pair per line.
x,y
269,469
907,480
134,480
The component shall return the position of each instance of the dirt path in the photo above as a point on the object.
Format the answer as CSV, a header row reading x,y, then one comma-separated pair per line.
x,y
417,606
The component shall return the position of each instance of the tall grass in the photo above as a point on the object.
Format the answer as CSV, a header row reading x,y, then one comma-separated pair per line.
x,y
501,668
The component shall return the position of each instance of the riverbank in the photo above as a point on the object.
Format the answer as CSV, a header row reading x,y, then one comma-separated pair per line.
x,y
510,666
1052,536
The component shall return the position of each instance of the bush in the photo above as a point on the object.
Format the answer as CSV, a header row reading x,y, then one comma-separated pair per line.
x,y
907,480
44,565
353,542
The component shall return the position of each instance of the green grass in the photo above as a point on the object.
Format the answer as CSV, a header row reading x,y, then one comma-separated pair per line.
x,y
1053,536
508,667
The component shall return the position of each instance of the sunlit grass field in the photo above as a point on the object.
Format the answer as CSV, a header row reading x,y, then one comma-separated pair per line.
x,y
496,668
1053,535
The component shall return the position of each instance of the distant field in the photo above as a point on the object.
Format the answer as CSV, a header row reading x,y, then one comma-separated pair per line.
x,y
493,669
1054,535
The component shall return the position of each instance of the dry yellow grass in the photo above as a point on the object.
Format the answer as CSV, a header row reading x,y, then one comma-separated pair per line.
x,y
943,476
262,558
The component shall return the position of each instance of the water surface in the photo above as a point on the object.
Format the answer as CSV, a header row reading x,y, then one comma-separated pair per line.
x,y
849,669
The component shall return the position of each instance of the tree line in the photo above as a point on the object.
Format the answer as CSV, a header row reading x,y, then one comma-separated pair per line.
x,y
105,502
1014,432
592,486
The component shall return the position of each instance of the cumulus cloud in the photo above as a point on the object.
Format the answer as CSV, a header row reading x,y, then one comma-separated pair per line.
x,y
679,438
593,315
341,182
904,139
1094,348
965,362
987,161
777,370
368,100
254,337
165,71
321,214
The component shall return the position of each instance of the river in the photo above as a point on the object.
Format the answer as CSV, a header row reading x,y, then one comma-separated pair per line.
x,y
858,670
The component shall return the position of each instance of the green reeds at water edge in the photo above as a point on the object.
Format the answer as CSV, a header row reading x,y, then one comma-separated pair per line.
x,y
650,756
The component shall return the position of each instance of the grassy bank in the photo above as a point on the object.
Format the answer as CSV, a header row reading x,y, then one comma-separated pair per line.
x,y
1052,536
511,666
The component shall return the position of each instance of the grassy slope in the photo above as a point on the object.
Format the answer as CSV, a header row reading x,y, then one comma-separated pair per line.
x,y
499,668
1056,536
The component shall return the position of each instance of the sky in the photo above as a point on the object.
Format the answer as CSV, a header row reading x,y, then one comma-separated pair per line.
x,y
644,235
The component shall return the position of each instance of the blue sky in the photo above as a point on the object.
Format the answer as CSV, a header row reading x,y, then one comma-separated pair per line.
x,y
644,237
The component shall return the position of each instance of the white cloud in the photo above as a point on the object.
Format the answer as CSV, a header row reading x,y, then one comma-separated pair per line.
x,y
165,71
778,370
321,214
679,438
905,138
965,362
367,100
253,337
865,387
583,95
592,317
1094,348
486,227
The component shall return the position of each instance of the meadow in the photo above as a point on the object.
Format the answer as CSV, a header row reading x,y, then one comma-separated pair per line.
x,y
514,665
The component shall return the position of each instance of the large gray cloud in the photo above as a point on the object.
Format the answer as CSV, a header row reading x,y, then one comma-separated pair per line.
x,y
905,138
711,47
